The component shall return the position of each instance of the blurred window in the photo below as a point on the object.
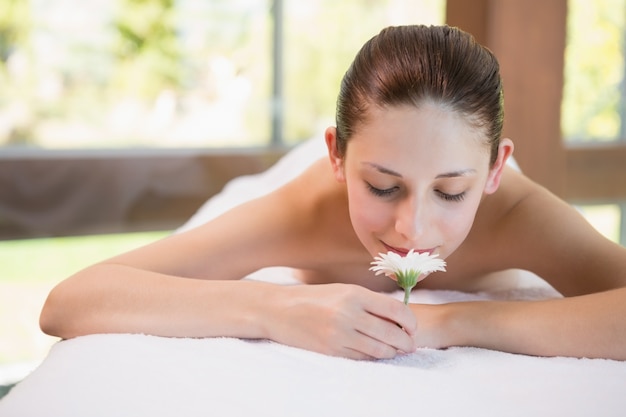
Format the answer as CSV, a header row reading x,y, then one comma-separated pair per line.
x,y
594,94
593,110
321,39
185,73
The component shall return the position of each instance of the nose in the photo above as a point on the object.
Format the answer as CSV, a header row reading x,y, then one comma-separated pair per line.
x,y
411,219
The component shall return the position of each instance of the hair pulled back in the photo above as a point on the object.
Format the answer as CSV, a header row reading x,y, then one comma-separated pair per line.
x,y
410,65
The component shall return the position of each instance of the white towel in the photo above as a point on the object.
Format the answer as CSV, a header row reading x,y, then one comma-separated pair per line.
x,y
138,375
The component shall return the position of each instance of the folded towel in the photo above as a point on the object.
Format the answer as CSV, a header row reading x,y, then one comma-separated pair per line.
x,y
139,375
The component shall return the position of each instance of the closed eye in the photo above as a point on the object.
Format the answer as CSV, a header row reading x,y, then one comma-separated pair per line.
x,y
381,192
451,197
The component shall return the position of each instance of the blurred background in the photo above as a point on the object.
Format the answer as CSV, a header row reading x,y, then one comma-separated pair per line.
x,y
119,117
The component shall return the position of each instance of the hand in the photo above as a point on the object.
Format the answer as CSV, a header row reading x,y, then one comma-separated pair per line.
x,y
342,320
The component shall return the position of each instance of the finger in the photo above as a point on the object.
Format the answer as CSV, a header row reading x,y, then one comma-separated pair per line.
x,y
368,347
354,343
392,310
388,333
356,355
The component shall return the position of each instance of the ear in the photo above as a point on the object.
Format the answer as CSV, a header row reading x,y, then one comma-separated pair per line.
x,y
505,150
336,159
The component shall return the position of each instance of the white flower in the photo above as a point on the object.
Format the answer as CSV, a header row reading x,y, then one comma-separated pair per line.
x,y
407,269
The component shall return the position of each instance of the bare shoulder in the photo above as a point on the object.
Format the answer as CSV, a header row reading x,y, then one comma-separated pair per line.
x,y
281,228
523,225
324,225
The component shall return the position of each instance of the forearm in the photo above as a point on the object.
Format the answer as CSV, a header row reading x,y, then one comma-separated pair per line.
x,y
334,319
585,326
120,299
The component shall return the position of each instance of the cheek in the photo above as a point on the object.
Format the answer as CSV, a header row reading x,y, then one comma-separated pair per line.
x,y
456,225
368,216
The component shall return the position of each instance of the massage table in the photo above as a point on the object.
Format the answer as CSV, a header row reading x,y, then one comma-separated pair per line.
x,y
142,375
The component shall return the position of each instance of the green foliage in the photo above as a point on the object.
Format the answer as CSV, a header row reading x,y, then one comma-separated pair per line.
x,y
102,86
594,70
14,24
146,47
53,259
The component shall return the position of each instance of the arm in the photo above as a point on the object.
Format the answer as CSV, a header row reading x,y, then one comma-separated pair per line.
x,y
144,290
544,235
582,326
187,285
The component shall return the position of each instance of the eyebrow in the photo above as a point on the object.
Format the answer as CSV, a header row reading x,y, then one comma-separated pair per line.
x,y
383,170
453,174
460,173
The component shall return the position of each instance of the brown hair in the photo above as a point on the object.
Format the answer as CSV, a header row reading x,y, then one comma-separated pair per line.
x,y
413,64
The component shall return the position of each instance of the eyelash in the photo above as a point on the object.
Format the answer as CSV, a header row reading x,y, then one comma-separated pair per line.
x,y
388,191
452,197
381,193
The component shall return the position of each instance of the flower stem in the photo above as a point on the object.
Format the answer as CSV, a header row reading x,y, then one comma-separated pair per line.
x,y
407,293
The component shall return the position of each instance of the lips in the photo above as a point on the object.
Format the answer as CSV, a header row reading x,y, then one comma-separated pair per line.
x,y
404,251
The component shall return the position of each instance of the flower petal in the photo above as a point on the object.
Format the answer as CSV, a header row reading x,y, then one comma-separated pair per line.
x,y
392,263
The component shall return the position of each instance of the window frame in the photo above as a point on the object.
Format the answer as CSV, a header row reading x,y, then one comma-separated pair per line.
x,y
35,211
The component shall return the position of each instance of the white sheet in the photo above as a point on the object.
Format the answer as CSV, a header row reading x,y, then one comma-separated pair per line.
x,y
139,375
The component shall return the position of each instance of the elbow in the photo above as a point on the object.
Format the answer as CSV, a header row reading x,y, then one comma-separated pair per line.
x,y
49,318
55,318
73,307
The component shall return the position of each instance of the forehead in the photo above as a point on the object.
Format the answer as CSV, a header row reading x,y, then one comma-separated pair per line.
x,y
427,125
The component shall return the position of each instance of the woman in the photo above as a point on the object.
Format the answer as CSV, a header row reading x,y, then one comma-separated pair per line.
x,y
416,161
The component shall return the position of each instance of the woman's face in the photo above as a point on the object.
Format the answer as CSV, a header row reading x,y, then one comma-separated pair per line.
x,y
415,178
